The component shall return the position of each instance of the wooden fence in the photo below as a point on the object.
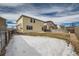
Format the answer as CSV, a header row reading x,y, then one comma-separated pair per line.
x,y
4,40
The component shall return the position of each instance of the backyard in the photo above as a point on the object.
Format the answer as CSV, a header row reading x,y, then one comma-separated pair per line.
x,y
25,45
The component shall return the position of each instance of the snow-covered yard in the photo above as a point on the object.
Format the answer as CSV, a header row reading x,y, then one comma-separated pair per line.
x,y
21,45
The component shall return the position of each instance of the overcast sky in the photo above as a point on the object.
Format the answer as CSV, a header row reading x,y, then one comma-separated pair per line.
x,y
59,13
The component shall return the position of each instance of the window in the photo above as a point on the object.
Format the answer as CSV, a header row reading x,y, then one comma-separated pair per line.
x,y
42,28
29,27
32,20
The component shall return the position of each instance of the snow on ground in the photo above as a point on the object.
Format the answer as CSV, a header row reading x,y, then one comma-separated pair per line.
x,y
21,45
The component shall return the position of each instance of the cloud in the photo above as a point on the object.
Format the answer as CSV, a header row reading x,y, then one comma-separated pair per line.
x,y
56,12
59,11
67,19
11,4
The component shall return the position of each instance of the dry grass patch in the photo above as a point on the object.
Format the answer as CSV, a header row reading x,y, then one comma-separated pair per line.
x,y
64,36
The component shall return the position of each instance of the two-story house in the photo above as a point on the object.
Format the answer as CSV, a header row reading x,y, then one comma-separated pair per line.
x,y
29,24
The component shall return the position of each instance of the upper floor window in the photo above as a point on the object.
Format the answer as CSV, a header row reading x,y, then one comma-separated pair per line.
x,y
32,20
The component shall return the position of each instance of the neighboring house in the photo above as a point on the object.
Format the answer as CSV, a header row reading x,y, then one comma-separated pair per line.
x,y
49,26
70,29
2,33
2,22
28,24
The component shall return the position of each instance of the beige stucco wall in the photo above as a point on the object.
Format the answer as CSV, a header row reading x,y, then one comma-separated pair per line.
x,y
20,22
37,26
24,21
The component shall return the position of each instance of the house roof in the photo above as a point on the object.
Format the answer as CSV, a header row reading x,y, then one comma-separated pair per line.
x,y
51,22
28,17
1,18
